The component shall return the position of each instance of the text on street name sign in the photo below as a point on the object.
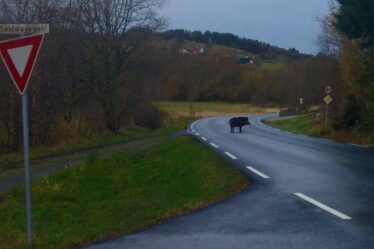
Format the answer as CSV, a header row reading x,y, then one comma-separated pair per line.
x,y
23,28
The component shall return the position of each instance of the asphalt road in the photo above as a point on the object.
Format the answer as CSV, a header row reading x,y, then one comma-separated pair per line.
x,y
306,193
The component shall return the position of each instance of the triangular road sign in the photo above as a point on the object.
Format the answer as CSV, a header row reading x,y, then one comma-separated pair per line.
x,y
19,56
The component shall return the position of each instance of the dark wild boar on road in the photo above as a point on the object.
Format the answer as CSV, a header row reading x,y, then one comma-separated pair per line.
x,y
238,122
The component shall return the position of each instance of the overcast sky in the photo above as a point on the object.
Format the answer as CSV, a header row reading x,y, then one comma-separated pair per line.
x,y
285,23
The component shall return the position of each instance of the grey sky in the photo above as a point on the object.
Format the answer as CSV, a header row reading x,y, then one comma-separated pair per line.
x,y
285,23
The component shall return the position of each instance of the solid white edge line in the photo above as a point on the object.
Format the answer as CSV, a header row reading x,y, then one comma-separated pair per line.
x,y
326,140
257,172
231,155
359,145
203,138
214,145
323,206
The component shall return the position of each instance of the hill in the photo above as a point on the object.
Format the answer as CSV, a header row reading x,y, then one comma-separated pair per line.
x,y
255,47
177,46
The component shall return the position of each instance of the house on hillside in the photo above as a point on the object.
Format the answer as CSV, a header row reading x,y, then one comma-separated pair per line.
x,y
246,60
194,50
198,50
184,51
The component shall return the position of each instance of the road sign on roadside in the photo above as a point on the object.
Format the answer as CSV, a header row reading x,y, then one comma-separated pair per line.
x,y
328,89
19,56
8,29
328,99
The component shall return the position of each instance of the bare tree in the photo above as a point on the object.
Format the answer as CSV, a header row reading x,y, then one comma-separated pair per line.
x,y
329,40
109,31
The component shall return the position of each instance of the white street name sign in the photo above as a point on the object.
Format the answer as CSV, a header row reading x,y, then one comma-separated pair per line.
x,y
8,29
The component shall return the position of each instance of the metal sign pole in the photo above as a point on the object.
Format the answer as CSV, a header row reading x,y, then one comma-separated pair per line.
x,y
327,113
25,121
26,151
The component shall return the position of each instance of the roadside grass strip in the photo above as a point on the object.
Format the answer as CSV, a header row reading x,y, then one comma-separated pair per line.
x,y
257,172
231,155
109,197
323,206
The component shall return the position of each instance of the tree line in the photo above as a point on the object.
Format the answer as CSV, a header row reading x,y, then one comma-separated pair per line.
x,y
349,37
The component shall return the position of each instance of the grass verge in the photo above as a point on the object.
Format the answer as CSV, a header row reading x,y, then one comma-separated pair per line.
x,y
309,125
11,161
112,196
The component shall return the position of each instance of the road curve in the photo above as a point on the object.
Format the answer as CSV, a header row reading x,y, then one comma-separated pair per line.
x,y
306,193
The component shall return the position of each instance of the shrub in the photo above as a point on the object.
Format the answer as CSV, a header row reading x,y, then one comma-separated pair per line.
x,y
351,114
149,116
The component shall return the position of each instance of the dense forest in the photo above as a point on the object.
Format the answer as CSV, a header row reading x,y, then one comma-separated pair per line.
x,y
105,63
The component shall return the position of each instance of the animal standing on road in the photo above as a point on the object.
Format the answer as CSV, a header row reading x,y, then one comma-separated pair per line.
x,y
238,122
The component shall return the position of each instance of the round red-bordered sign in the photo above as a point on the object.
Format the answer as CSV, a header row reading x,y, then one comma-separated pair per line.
x,y
328,89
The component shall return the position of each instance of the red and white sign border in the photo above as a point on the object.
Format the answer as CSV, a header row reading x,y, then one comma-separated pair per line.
x,y
30,62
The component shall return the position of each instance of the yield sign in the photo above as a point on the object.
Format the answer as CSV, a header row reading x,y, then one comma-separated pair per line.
x,y
19,56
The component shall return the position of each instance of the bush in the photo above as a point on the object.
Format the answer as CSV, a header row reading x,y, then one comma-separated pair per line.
x,y
287,112
149,116
351,114
368,122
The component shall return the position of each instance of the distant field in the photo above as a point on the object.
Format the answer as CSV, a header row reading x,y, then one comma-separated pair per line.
x,y
183,110
108,197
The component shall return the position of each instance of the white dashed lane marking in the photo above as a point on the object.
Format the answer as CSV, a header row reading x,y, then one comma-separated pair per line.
x,y
231,155
214,145
203,138
323,206
257,172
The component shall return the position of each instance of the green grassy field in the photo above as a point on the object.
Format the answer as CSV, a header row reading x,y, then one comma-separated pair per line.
x,y
308,125
108,197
